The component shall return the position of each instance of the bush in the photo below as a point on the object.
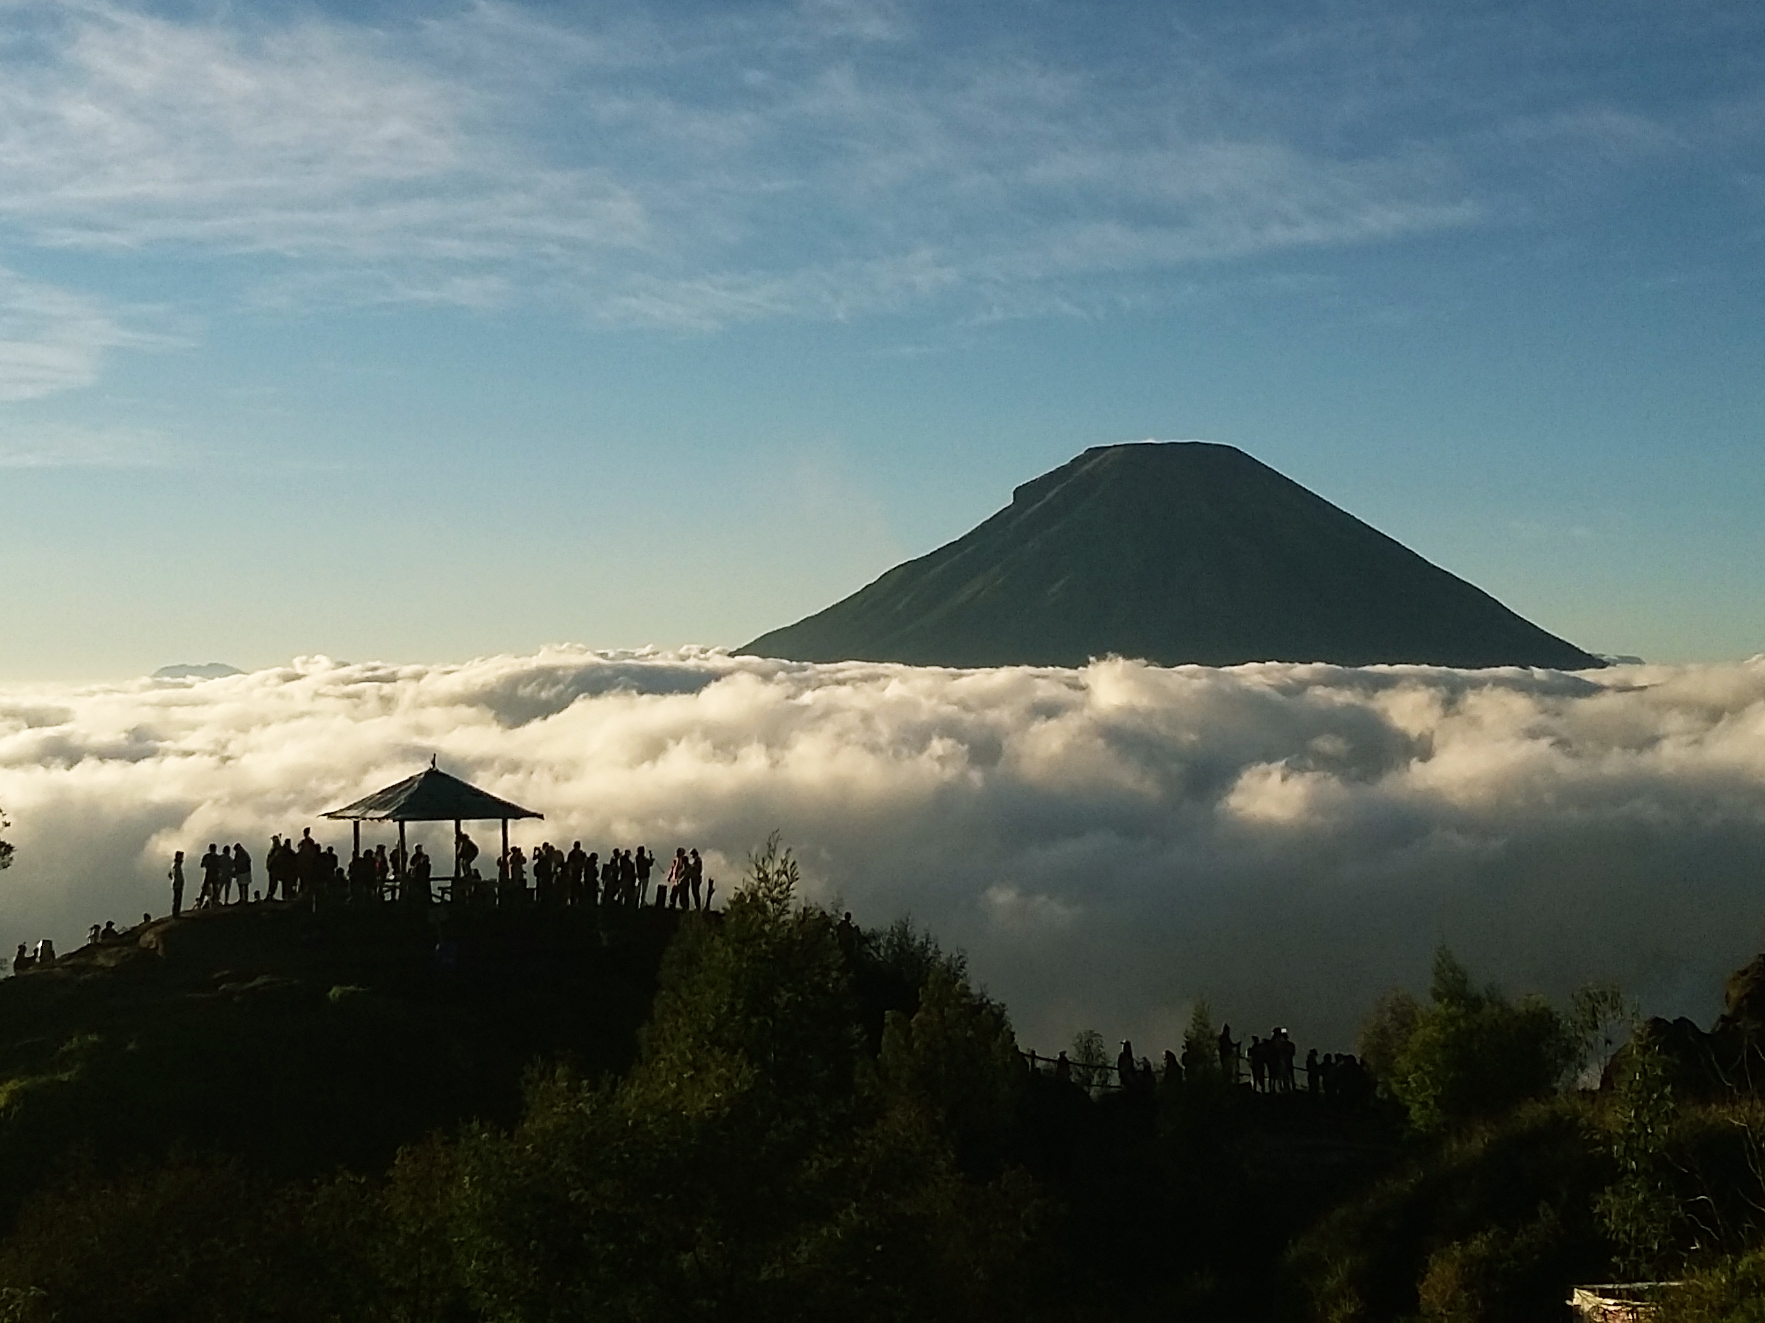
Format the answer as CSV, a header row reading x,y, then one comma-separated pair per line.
x,y
1468,1053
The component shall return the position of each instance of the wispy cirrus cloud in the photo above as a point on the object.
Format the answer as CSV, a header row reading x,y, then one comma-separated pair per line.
x,y
821,160
63,446
825,159
54,339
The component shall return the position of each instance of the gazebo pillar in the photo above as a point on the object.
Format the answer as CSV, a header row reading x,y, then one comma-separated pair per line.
x,y
358,839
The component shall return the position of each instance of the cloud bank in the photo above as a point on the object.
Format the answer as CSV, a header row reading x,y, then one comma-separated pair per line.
x,y
1106,843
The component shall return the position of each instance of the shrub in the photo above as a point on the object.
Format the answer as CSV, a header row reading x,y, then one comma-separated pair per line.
x,y
1468,1053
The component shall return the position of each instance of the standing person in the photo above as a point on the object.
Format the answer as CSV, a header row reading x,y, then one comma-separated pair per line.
x,y
677,875
205,895
416,883
224,872
591,879
177,877
645,861
242,871
575,874
1284,1052
1228,1054
282,871
310,861
1124,1066
272,867
465,854
695,874
542,873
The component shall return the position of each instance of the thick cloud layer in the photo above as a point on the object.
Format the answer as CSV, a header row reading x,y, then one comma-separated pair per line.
x,y
1106,843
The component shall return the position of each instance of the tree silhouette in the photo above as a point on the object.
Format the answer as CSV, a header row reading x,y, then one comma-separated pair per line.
x,y
5,845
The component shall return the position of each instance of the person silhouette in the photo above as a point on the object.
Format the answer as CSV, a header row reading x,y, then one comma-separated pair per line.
x,y
641,866
177,877
1311,1072
696,874
209,864
677,875
1063,1069
1124,1065
542,873
242,872
465,853
110,934
416,883
1228,1054
576,875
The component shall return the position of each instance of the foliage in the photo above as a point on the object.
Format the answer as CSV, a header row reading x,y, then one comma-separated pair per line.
x,y
6,851
1500,1272
1090,1059
754,1163
1599,1016
1201,1048
1729,1290
1493,1221
190,1239
955,1067
1468,1053
1640,1211
1386,1030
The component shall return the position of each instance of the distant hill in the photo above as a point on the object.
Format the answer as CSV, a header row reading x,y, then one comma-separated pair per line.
x,y
196,671
1175,552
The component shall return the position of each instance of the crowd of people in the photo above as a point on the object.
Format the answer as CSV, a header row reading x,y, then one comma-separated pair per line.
x,y
303,869
1335,1077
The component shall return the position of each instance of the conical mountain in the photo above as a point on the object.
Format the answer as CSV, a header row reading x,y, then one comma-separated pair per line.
x,y
1173,552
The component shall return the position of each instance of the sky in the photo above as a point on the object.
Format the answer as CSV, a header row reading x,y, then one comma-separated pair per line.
x,y
1106,843
420,333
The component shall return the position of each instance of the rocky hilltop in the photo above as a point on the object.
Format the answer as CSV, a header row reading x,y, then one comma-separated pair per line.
x,y
1175,552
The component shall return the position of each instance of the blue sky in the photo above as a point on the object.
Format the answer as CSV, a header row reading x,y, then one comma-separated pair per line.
x,y
425,332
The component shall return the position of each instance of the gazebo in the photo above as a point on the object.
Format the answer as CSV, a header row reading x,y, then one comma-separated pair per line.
x,y
431,796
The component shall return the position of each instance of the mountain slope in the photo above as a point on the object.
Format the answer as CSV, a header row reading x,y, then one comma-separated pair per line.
x,y
1176,552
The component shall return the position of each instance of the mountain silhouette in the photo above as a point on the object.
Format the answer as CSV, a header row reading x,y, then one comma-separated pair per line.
x,y
1174,552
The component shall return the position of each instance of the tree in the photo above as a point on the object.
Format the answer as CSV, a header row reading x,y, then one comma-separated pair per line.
x,y
1090,1059
1469,1052
1201,1047
1639,1210
5,845
758,1161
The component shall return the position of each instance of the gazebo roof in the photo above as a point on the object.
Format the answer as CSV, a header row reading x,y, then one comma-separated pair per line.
x,y
431,796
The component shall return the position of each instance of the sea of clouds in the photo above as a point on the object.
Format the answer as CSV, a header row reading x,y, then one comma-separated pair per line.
x,y
1105,843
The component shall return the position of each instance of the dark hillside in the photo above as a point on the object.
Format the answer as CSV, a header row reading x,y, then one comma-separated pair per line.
x,y
1179,552
302,1041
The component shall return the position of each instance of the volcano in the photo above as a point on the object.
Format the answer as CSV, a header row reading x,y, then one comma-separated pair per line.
x,y
1172,552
